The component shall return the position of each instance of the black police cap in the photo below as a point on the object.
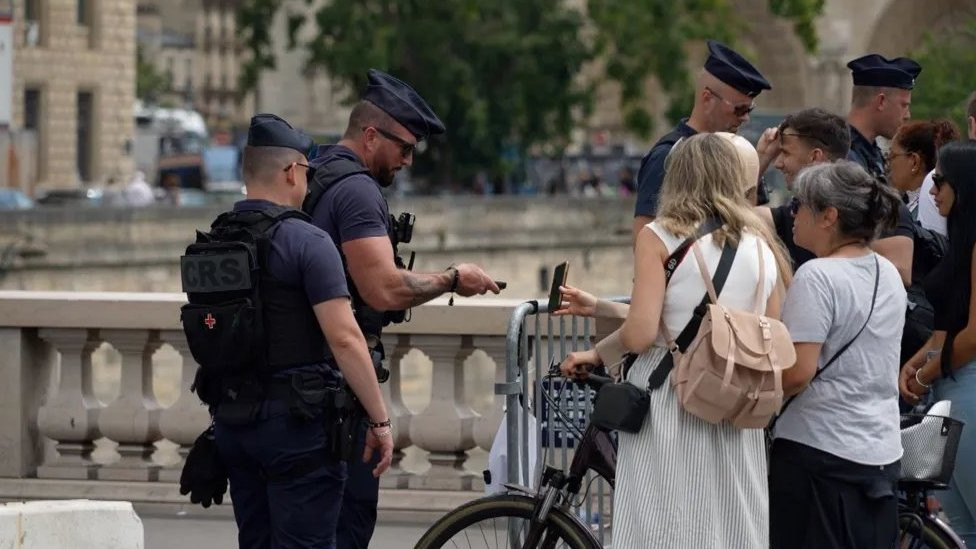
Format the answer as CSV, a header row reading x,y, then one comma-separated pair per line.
x,y
728,66
401,102
875,70
269,130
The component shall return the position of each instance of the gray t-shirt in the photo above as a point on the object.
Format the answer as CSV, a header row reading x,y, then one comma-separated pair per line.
x,y
851,410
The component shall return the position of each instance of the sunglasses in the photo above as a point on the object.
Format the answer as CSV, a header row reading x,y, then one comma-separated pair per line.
x,y
938,180
309,170
739,110
406,148
795,206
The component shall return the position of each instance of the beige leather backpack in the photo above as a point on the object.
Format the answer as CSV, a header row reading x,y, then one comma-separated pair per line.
x,y
733,368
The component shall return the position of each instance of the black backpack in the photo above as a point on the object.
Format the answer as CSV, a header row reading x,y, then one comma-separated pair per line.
x,y
221,274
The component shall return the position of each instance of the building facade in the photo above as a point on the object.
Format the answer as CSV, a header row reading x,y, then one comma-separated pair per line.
x,y
74,88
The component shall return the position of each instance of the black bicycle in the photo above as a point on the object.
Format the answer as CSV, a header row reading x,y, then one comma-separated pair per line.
x,y
545,518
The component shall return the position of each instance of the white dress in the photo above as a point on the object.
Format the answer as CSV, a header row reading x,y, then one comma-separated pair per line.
x,y
682,482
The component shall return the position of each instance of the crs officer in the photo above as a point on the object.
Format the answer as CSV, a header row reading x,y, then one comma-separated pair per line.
x,y
270,429
346,201
880,104
724,96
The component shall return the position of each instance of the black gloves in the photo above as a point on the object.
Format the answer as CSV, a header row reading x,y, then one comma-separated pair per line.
x,y
204,476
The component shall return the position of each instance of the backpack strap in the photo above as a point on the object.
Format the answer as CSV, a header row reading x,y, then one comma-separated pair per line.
x,y
663,369
761,284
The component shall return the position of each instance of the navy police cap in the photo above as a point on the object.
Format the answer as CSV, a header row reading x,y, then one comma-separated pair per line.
x,y
733,69
401,102
875,70
269,130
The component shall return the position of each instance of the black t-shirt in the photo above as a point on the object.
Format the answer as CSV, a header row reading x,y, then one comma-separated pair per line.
x,y
783,221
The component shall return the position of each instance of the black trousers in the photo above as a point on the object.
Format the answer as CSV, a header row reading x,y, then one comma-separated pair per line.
x,y
817,499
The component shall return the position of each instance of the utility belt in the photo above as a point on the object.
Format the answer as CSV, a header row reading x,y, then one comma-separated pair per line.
x,y
309,397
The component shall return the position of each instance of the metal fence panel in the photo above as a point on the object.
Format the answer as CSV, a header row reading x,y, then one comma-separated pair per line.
x,y
535,339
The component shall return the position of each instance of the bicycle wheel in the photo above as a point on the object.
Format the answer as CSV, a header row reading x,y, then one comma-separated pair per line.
x,y
924,534
504,521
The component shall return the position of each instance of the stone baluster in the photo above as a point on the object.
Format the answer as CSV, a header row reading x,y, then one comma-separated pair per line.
x,y
396,346
70,417
487,425
182,422
446,427
132,419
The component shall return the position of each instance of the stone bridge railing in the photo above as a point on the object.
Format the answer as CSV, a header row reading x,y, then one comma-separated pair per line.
x,y
95,400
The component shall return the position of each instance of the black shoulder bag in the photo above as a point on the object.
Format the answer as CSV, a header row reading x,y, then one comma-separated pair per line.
x,y
623,406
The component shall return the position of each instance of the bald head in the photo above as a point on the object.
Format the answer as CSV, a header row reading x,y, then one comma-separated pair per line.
x,y
262,165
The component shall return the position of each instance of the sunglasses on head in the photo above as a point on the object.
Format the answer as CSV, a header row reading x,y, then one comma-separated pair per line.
x,y
739,110
938,180
406,148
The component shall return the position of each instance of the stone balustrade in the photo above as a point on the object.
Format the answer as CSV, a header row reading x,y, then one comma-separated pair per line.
x,y
66,431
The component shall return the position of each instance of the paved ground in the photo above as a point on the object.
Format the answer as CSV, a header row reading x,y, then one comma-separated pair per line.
x,y
166,532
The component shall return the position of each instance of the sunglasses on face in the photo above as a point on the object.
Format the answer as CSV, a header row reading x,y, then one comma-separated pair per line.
x,y
739,110
310,171
406,148
795,206
938,180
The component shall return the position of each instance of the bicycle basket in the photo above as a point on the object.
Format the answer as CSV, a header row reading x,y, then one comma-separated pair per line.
x,y
929,443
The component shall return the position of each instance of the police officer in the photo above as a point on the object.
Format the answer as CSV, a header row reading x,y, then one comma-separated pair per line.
x,y
345,200
271,430
724,96
880,104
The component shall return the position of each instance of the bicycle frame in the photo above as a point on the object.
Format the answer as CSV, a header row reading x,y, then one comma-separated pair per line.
x,y
917,509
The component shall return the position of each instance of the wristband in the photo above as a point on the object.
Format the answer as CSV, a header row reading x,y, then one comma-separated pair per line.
x,y
454,284
378,424
919,381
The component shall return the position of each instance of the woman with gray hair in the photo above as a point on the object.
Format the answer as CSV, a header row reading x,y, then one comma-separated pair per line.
x,y
836,451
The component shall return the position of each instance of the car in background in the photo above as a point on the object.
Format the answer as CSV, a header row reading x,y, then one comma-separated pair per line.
x,y
85,197
12,199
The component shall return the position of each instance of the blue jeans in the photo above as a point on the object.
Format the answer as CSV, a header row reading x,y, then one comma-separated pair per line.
x,y
283,512
959,501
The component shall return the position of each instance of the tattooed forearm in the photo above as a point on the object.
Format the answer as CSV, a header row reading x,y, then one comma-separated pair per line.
x,y
424,287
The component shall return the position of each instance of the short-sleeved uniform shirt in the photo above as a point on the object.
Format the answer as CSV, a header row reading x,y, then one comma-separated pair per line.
x,y
867,154
353,208
651,174
303,256
851,411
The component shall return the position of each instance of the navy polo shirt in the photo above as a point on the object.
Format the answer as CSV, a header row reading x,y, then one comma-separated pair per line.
x,y
651,174
353,208
867,154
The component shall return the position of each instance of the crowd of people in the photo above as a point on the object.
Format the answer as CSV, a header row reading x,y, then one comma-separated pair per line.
x,y
869,267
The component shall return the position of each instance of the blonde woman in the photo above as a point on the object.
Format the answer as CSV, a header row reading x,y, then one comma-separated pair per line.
x,y
682,482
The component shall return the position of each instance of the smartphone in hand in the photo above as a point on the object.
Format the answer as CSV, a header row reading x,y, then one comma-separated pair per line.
x,y
558,279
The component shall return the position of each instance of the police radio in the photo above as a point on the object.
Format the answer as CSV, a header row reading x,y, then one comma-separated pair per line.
x,y
404,227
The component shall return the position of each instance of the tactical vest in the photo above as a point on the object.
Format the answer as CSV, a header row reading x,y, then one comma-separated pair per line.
x,y
327,176
242,322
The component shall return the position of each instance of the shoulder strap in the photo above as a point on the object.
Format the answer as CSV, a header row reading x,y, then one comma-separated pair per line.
x,y
710,225
663,369
327,176
874,298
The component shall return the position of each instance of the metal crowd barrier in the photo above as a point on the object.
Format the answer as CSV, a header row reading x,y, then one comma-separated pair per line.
x,y
533,428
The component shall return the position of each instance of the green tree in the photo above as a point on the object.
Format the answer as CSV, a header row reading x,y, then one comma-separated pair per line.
x,y
948,60
151,84
506,76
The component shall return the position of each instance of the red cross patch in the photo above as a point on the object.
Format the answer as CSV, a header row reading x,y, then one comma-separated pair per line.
x,y
210,321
